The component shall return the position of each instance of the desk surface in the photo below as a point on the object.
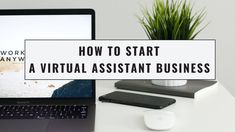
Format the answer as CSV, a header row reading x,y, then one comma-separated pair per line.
x,y
213,111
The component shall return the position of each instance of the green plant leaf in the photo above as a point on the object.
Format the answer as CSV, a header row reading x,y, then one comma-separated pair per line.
x,y
172,20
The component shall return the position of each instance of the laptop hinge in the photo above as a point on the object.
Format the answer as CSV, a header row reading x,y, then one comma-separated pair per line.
x,y
22,102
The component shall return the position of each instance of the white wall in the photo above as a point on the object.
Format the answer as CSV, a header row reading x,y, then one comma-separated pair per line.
x,y
116,19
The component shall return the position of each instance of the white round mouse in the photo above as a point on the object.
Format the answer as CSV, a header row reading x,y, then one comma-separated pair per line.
x,y
159,120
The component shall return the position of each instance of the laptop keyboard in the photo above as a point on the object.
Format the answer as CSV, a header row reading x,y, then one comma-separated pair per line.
x,y
43,111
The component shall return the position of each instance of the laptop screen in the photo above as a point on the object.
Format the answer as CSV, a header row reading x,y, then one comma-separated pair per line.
x,y
14,29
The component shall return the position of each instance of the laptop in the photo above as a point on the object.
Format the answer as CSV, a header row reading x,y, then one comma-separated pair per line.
x,y
43,105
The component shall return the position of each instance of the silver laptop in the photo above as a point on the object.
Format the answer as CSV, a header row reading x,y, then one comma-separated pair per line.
x,y
43,105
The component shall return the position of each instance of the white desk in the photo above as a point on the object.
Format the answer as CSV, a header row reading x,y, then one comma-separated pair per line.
x,y
212,112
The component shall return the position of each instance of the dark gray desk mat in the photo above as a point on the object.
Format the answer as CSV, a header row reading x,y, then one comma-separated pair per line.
x,y
187,90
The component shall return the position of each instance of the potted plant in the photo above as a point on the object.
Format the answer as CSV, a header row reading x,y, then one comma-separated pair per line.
x,y
171,20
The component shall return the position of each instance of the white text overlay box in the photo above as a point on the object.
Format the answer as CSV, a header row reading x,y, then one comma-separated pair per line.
x,y
120,59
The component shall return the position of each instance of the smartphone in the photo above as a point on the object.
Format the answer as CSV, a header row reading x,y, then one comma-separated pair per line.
x,y
140,100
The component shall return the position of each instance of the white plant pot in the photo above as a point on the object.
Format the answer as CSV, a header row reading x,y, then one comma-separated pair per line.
x,y
169,82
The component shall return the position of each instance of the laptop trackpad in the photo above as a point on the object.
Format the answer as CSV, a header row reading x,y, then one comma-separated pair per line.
x,y
23,125
66,125
70,125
